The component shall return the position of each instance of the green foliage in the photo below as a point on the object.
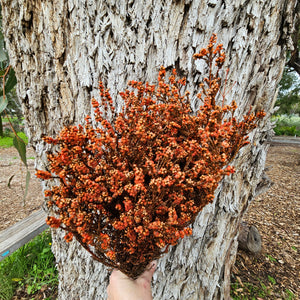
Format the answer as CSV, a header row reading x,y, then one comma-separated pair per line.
x,y
286,130
8,100
290,295
21,147
271,279
3,103
271,258
31,268
294,248
287,125
288,98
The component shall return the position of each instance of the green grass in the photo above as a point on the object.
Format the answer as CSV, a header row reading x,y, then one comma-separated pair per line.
x,y
12,119
246,291
29,268
7,141
250,291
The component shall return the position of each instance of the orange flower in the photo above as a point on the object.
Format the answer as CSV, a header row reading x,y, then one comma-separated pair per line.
x,y
43,174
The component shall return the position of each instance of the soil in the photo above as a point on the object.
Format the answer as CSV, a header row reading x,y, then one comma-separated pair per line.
x,y
271,274
13,207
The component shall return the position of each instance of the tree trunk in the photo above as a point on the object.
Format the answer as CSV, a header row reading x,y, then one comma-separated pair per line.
x,y
60,49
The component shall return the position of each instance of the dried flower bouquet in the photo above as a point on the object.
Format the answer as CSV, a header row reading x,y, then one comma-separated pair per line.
x,y
130,187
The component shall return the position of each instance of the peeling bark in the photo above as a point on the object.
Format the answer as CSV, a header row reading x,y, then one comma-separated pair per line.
x,y
60,49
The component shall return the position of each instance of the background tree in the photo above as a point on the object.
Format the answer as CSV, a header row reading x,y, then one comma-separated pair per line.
x,y
60,49
288,98
289,88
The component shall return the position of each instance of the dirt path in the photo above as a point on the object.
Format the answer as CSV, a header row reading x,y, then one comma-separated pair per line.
x,y
11,199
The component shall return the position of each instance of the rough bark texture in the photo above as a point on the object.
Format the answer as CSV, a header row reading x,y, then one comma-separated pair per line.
x,y
60,49
294,61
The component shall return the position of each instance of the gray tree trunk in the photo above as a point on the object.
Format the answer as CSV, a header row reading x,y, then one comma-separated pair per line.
x,y
60,50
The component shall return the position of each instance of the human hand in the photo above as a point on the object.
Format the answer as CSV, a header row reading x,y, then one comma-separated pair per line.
x,y
122,287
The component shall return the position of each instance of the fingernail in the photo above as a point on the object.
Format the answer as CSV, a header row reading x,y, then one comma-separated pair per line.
x,y
154,264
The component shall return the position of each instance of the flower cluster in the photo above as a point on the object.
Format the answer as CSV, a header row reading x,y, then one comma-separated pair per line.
x,y
130,187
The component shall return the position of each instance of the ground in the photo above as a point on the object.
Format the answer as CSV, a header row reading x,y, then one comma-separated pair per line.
x,y
276,214
12,169
271,274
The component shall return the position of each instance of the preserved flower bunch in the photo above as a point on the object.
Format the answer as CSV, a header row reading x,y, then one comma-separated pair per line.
x,y
130,187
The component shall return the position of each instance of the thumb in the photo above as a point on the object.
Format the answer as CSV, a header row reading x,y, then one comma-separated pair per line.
x,y
147,275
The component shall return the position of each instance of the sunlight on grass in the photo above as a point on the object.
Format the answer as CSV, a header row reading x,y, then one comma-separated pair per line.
x,y
7,141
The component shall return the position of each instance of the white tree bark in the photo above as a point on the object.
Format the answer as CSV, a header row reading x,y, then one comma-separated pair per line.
x,y
60,49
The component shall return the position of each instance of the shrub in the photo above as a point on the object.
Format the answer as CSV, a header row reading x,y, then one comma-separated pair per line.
x,y
130,187
287,125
